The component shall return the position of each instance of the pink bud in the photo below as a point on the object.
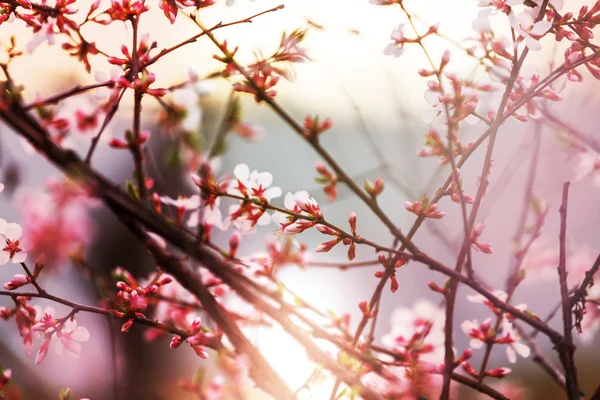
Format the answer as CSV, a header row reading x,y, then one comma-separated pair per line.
x,y
364,307
469,369
326,246
39,265
433,286
196,325
352,222
325,230
498,372
163,281
393,283
378,187
175,342
445,59
351,252
126,326
234,243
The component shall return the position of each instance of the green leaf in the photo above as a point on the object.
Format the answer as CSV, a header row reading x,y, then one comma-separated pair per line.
x,y
220,147
133,190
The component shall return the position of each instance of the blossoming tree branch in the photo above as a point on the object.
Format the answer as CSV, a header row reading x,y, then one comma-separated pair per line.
x,y
186,300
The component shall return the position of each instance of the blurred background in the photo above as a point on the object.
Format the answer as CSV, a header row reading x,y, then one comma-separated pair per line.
x,y
376,103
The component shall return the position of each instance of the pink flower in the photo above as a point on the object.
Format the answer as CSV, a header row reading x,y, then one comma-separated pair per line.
x,y
396,47
56,221
70,337
214,391
417,332
249,131
430,212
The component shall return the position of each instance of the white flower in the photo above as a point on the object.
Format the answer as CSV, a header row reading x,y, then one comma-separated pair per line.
x,y
525,26
11,233
514,346
299,202
1,188
189,99
482,23
472,329
212,216
46,33
257,182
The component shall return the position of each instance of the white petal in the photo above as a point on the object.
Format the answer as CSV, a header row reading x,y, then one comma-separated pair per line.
x,y
476,344
2,226
511,355
533,44
272,193
540,28
558,4
475,298
19,257
525,20
13,231
432,97
4,257
264,219
242,172
265,179
192,222
523,350
288,201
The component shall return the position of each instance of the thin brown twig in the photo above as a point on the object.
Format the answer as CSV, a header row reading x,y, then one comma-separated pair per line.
x,y
67,93
566,348
109,116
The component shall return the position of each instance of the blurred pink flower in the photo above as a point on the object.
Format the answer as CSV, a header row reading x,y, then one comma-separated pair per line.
x,y
56,221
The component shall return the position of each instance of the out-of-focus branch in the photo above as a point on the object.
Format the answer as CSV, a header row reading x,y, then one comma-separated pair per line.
x,y
566,349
